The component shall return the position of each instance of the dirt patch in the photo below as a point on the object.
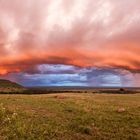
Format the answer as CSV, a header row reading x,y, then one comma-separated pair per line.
x,y
60,97
120,110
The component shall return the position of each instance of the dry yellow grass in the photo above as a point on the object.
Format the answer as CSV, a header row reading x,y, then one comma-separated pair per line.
x,y
70,116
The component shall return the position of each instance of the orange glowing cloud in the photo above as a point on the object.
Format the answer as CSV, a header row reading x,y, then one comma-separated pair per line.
x,y
77,32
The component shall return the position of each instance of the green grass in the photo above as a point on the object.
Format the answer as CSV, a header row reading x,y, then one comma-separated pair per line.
x,y
7,87
7,83
70,117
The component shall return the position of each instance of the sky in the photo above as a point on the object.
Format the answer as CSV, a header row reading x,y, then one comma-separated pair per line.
x,y
70,42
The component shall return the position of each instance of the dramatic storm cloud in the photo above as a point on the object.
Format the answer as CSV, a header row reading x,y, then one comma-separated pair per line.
x,y
70,42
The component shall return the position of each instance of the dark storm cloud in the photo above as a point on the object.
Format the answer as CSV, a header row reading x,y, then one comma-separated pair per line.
x,y
54,75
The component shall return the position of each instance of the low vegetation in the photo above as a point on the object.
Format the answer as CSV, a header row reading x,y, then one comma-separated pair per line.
x,y
66,116
7,86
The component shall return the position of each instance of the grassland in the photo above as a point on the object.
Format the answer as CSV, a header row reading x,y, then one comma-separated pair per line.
x,y
70,116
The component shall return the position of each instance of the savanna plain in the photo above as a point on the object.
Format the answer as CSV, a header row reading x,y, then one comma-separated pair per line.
x,y
70,116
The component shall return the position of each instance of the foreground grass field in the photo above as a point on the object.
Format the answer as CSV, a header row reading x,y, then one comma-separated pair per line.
x,y
85,116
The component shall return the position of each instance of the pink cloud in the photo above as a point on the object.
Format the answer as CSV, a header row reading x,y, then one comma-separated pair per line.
x,y
78,32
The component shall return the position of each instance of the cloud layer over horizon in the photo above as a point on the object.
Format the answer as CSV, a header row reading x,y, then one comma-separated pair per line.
x,y
51,40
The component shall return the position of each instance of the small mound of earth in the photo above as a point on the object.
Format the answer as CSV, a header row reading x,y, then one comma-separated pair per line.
x,y
60,97
120,110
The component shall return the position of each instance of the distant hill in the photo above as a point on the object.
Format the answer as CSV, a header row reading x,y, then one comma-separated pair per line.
x,y
8,86
7,83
